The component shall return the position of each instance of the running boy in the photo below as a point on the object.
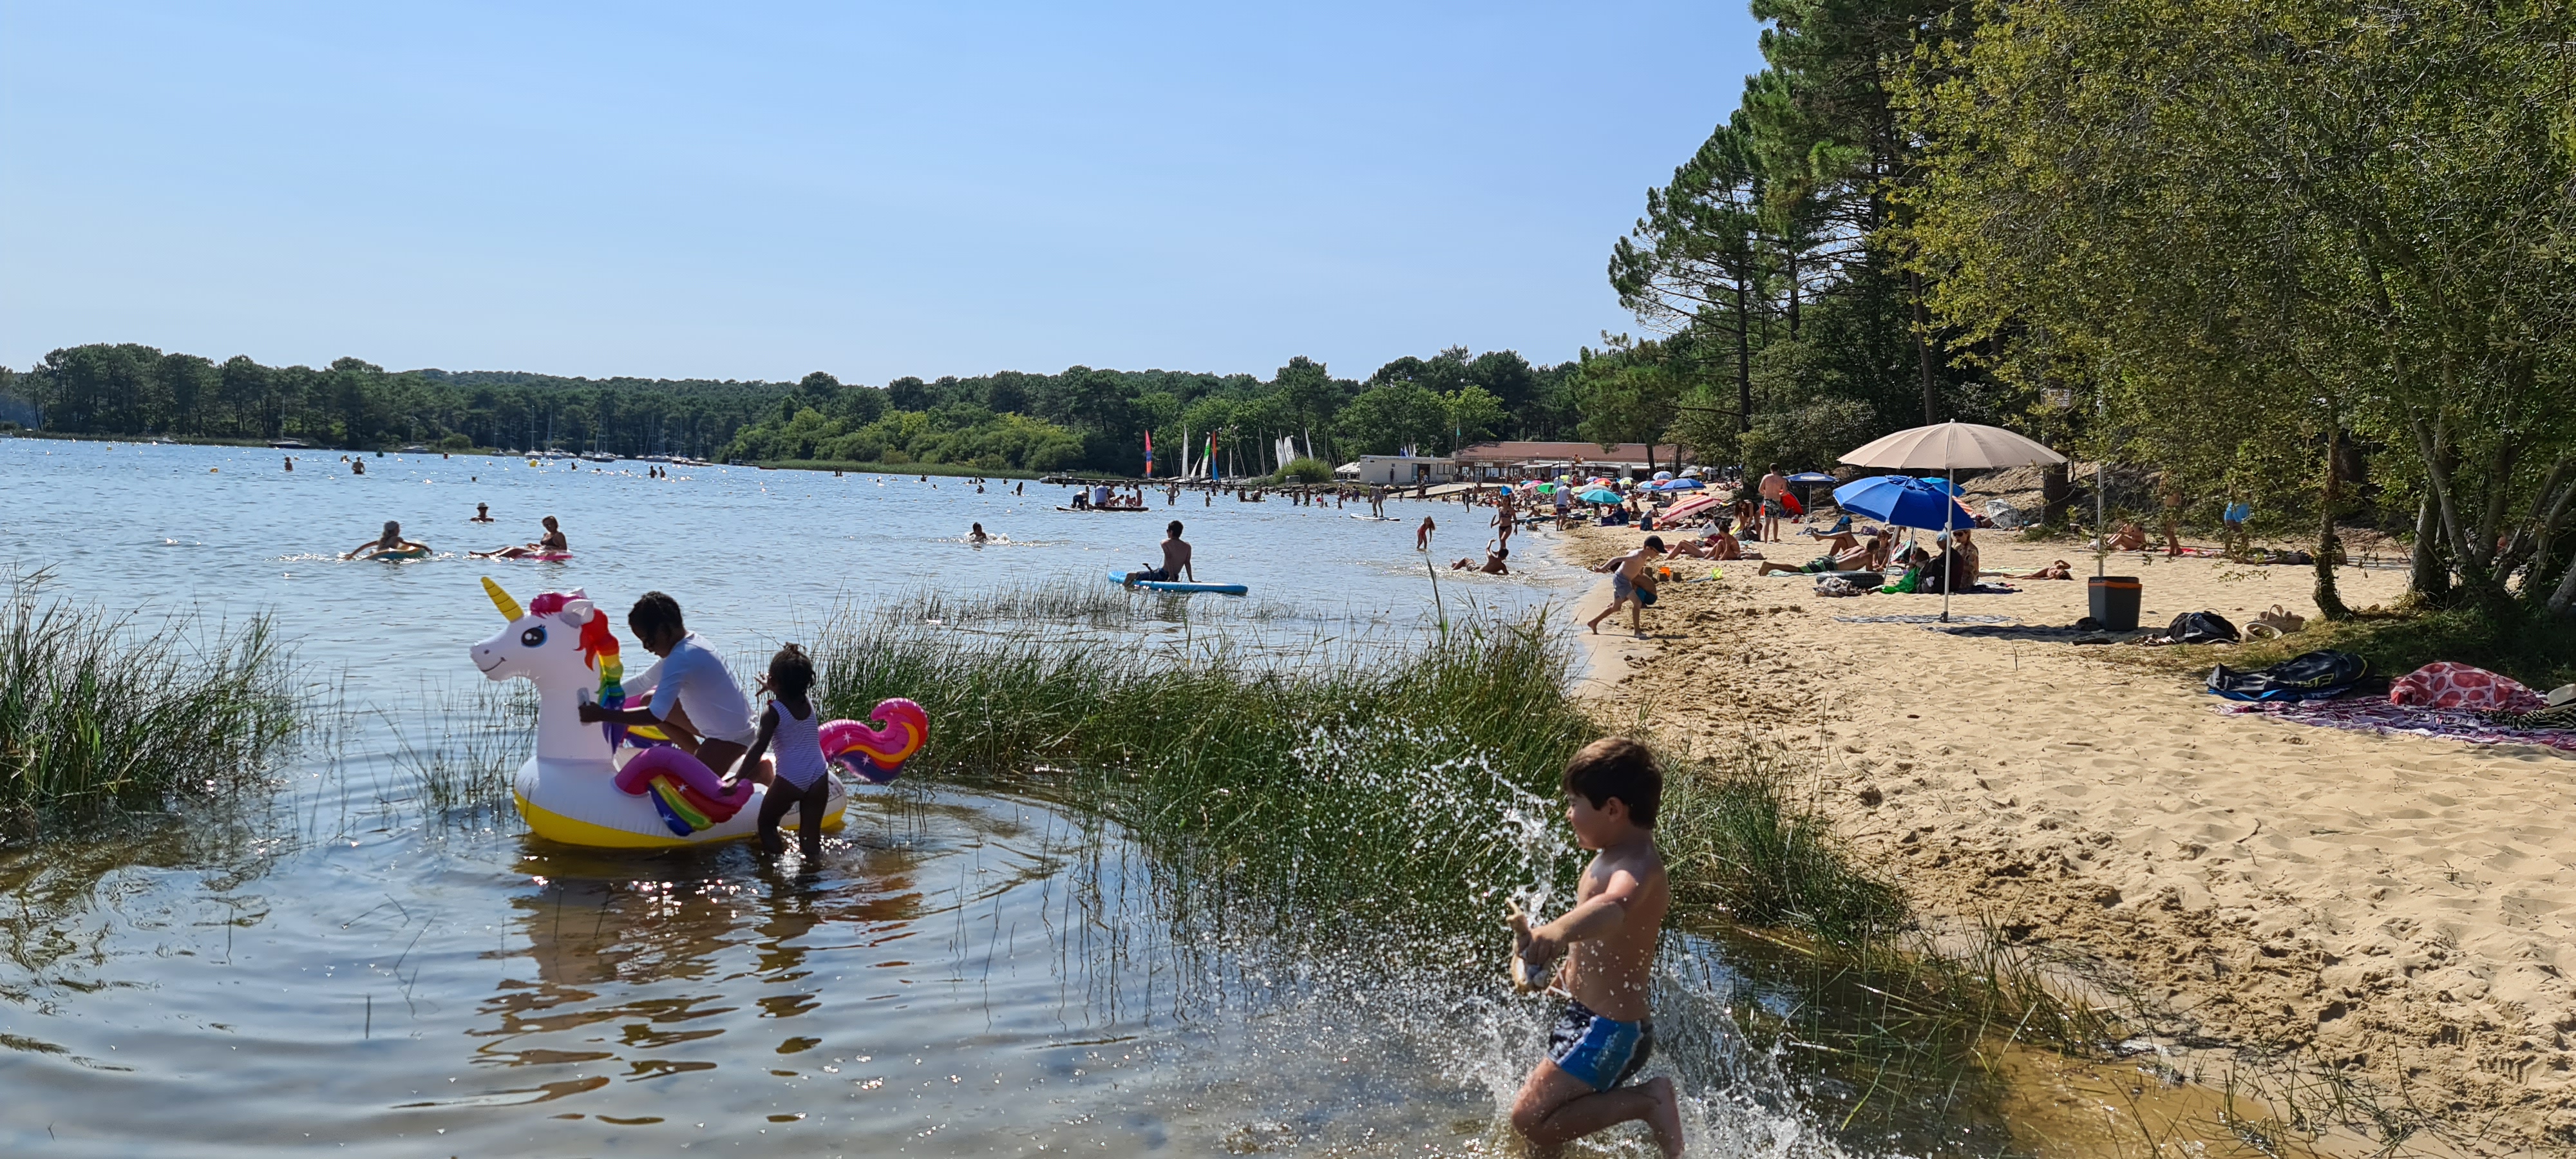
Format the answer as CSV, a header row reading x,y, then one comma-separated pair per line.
x,y
1605,1034
802,782
694,700
1632,582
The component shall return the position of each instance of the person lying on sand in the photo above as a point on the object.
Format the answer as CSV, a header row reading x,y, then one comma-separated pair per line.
x,y
551,543
391,542
1606,1032
1870,556
2130,537
1713,543
1494,557
1176,560
1632,582
2057,570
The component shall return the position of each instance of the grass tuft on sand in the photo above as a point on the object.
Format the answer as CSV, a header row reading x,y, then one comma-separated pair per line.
x,y
99,711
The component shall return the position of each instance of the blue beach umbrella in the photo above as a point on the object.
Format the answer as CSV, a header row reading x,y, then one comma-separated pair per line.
x,y
1599,495
1904,501
1678,485
1940,484
1810,477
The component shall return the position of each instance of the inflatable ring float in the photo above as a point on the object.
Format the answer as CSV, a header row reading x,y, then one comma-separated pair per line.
x,y
616,787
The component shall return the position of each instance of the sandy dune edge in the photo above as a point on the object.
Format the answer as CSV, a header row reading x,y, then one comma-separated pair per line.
x,y
2393,908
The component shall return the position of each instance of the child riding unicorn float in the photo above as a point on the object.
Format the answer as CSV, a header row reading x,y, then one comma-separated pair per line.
x,y
625,785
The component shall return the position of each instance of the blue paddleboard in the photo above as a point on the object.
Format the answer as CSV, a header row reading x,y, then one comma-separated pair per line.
x,y
1120,577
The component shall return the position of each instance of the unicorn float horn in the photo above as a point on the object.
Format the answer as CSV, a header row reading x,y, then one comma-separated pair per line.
x,y
501,599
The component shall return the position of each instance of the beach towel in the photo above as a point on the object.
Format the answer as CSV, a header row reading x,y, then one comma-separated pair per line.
x,y
2320,675
2443,684
2373,715
2200,628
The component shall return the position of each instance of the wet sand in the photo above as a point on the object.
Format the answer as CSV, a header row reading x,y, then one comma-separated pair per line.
x,y
2395,910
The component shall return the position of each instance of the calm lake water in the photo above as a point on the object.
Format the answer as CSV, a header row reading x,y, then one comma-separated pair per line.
x,y
342,966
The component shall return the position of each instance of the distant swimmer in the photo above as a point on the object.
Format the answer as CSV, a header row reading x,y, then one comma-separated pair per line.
x,y
357,466
391,542
483,513
290,462
551,543
1176,560
977,536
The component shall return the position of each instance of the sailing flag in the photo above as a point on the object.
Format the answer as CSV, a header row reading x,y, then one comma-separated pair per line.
x,y
1149,454
1213,473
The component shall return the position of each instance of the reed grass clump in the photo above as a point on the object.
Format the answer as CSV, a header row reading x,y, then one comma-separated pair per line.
x,y
1736,837
100,710
1415,774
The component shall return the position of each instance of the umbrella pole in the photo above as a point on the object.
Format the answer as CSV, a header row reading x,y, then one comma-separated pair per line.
x,y
1950,516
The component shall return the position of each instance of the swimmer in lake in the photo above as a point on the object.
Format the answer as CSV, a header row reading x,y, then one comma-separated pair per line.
x,y
551,543
1422,535
977,536
483,513
1176,560
389,543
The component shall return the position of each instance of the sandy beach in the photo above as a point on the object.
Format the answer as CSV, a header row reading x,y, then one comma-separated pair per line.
x,y
2391,909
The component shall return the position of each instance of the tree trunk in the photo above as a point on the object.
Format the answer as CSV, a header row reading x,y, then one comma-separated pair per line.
x,y
1743,363
1923,348
2329,601
2054,492
2429,578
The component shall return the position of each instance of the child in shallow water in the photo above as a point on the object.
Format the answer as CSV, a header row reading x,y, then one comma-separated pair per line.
x,y
1604,1035
802,780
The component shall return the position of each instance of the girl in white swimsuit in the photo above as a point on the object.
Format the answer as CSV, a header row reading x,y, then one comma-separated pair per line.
x,y
791,723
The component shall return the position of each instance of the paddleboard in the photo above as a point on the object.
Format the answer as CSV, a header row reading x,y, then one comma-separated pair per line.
x,y
1120,577
1374,518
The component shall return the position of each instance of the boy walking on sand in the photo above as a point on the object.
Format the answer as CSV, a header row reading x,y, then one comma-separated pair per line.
x,y
1605,1034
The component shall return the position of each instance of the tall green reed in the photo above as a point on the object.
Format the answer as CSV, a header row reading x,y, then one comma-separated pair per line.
x,y
99,709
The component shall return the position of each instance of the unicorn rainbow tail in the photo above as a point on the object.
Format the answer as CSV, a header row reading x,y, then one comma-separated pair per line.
x,y
876,755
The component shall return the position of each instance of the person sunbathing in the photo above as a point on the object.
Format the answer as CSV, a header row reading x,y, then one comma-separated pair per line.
x,y
2130,537
2057,571
1712,544
1871,556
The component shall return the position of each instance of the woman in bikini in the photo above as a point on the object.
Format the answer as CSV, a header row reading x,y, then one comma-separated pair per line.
x,y
552,543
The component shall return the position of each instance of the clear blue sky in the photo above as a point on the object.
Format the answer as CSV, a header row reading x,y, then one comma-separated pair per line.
x,y
760,190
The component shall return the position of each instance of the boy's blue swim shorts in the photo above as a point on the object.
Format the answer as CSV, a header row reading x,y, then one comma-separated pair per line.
x,y
1603,1052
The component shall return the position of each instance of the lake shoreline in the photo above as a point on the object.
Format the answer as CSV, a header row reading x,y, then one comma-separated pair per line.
x,y
2257,890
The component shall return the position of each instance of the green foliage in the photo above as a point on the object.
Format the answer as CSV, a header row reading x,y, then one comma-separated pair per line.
x,y
99,712
2262,233
961,434
1305,469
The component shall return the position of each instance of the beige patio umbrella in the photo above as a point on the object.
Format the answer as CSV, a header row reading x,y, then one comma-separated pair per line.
x,y
1950,447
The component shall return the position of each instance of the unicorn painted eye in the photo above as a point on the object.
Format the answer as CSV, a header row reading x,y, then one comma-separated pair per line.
x,y
533,638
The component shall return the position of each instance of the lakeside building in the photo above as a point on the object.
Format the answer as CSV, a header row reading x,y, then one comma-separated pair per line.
x,y
1513,461
1401,470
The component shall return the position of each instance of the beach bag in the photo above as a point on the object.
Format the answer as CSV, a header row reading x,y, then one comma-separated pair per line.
x,y
2200,628
2443,684
2318,675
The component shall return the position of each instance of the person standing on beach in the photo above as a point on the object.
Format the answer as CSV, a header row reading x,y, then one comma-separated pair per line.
x,y
1772,489
1564,505
1504,518
1606,1032
1176,560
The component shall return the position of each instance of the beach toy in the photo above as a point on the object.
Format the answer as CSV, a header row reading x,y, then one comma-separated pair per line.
x,y
1120,578
621,787
877,755
407,553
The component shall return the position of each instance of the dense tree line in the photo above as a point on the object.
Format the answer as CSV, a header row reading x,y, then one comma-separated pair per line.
x,y
2311,254
1091,419
1081,418
132,390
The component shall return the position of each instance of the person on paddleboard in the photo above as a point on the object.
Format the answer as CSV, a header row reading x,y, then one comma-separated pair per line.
x,y
1176,560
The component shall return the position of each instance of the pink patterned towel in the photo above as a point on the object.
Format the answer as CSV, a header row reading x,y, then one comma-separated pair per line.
x,y
2442,684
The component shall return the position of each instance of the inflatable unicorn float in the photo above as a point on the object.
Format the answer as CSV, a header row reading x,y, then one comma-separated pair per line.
x,y
622,787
